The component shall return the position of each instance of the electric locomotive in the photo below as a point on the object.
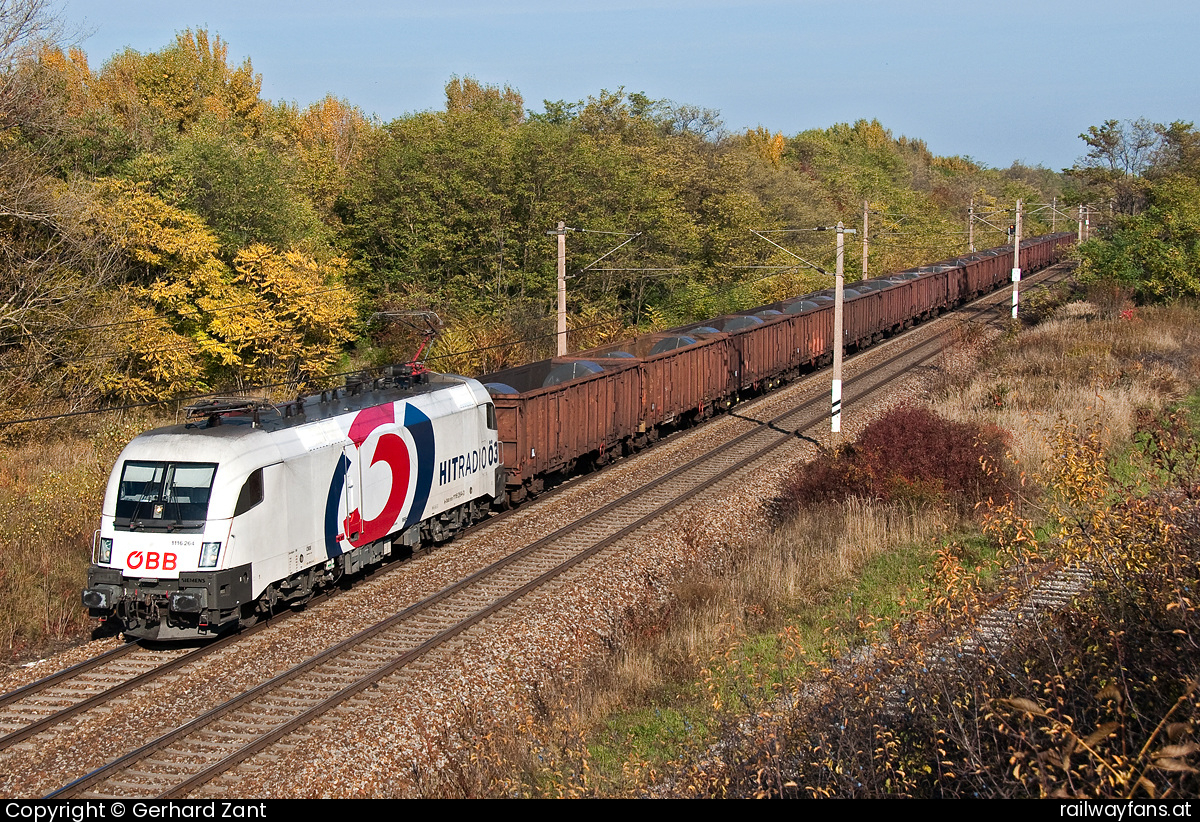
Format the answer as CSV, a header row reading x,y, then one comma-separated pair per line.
x,y
211,523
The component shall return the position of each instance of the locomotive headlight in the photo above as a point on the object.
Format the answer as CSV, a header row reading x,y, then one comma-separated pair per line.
x,y
106,550
208,554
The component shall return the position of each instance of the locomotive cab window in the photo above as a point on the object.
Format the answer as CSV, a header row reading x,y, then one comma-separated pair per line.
x,y
251,493
491,415
164,494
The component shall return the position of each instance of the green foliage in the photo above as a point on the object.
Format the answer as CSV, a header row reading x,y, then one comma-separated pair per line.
x,y
446,210
1118,157
459,202
243,189
427,207
1151,175
1156,253
465,94
918,202
193,322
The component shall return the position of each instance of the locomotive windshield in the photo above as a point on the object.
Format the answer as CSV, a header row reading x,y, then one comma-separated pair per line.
x,y
164,494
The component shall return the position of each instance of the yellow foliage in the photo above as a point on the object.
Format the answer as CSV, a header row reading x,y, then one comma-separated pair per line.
x,y
331,136
158,360
474,346
465,94
288,318
71,71
955,164
176,86
148,229
984,201
276,317
1122,537
872,134
953,591
334,124
769,147
193,77
594,326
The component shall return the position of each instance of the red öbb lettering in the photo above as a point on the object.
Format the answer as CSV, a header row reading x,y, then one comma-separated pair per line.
x,y
153,560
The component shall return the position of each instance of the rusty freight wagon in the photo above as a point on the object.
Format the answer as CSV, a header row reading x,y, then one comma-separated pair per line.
x,y
582,410
553,415
685,376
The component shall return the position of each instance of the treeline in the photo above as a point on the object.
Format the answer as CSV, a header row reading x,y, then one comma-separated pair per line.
x,y
1149,173
165,231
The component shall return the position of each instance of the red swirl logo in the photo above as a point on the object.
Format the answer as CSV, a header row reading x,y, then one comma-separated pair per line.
x,y
391,450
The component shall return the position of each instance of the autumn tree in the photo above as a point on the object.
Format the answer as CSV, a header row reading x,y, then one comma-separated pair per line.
x,y
54,274
331,137
56,278
26,27
170,197
466,94
246,190
192,78
1178,151
896,176
1117,158
281,318
430,199
196,323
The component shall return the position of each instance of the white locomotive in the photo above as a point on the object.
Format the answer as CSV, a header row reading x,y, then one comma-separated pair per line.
x,y
210,524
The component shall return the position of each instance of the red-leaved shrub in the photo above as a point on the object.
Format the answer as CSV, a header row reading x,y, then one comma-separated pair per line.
x,y
908,454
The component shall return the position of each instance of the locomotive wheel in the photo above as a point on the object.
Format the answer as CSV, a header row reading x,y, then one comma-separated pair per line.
x,y
249,615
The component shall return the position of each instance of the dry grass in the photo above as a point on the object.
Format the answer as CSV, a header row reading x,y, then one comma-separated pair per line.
x,y
1117,666
1078,366
823,547
795,574
50,496
734,638
1087,362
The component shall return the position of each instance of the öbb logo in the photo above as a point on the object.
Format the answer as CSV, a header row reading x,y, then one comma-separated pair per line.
x,y
151,560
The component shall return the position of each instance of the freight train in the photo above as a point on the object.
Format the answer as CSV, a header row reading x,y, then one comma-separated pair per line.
x,y
560,415
246,506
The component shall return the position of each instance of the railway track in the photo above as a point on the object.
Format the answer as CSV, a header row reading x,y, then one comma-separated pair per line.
x,y
216,741
53,700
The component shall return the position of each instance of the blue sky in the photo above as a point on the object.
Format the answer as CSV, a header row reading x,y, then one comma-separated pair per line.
x,y
999,82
